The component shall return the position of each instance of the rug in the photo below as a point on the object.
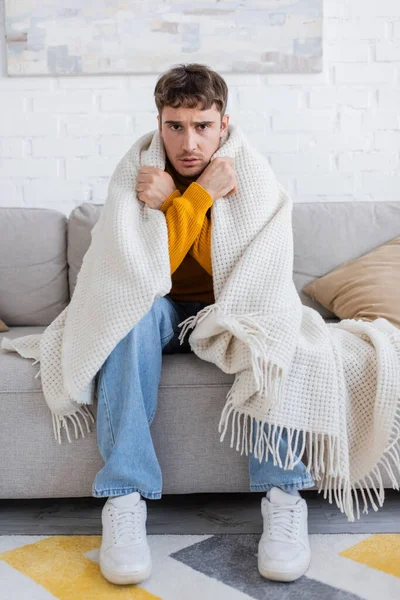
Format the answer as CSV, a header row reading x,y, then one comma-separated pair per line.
x,y
200,567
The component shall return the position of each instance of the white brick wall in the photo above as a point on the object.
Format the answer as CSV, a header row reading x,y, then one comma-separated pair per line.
x,y
329,136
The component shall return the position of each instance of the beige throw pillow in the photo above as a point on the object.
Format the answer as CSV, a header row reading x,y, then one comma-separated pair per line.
x,y
3,326
365,288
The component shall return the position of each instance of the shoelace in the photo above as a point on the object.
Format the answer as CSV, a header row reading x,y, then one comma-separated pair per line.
x,y
127,525
283,522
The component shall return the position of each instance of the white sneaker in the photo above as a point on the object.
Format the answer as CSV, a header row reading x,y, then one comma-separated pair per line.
x,y
283,550
124,552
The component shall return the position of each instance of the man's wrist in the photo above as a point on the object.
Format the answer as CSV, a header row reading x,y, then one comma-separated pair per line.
x,y
169,200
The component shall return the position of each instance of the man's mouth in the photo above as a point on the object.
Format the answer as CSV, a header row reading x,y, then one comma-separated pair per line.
x,y
189,161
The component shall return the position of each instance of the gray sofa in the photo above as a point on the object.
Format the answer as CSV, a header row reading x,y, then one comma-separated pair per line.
x,y
41,251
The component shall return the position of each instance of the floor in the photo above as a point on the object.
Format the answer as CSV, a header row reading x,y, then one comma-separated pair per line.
x,y
188,514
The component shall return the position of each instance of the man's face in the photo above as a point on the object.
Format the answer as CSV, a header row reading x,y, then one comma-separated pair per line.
x,y
191,133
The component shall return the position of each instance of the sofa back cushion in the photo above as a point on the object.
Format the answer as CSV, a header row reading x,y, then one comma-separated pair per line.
x,y
33,265
80,224
329,234
325,235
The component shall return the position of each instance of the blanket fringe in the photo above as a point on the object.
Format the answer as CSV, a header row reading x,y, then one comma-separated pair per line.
x,y
192,321
62,421
38,373
323,451
269,376
322,457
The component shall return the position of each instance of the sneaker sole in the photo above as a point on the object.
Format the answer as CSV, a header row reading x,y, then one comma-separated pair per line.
x,y
282,575
125,578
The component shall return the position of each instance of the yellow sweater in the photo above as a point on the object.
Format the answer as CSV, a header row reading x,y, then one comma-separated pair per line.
x,y
188,214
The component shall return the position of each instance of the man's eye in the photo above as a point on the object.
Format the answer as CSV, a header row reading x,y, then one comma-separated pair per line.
x,y
178,126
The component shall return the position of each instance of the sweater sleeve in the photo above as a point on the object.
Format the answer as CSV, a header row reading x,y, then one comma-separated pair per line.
x,y
185,215
201,247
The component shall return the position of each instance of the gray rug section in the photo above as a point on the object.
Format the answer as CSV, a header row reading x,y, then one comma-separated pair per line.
x,y
232,559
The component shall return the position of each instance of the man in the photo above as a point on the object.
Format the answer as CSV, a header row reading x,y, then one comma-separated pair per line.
x,y
191,102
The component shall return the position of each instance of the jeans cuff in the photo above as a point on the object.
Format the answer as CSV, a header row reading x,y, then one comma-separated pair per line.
x,y
124,491
299,485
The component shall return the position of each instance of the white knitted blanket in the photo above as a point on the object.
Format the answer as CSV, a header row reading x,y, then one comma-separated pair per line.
x,y
337,383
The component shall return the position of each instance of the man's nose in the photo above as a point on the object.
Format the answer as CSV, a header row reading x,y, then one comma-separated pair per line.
x,y
189,142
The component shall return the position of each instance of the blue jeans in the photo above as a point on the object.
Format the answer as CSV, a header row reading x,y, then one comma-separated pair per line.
x,y
127,391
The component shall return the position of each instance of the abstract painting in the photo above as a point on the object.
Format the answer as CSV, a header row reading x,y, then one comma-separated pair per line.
x,y
81,37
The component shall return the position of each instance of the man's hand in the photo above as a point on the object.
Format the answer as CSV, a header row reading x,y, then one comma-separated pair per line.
x,y
153,186
219,178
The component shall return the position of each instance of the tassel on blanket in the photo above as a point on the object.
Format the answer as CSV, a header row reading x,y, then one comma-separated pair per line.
x,y
322,450
269,377
322,458
344,491
61,421
38,373
192,321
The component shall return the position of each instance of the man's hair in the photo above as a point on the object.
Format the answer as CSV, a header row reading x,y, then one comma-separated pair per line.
x,y
188,85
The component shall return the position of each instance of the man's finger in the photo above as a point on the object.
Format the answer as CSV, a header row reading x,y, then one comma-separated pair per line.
x,y
143,171
145,178
148,169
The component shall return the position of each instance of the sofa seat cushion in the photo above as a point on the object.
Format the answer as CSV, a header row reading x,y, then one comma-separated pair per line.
x,y
17,374
184,431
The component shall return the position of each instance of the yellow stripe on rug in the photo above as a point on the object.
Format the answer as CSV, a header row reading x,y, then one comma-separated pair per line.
x,y
379,551
60,566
